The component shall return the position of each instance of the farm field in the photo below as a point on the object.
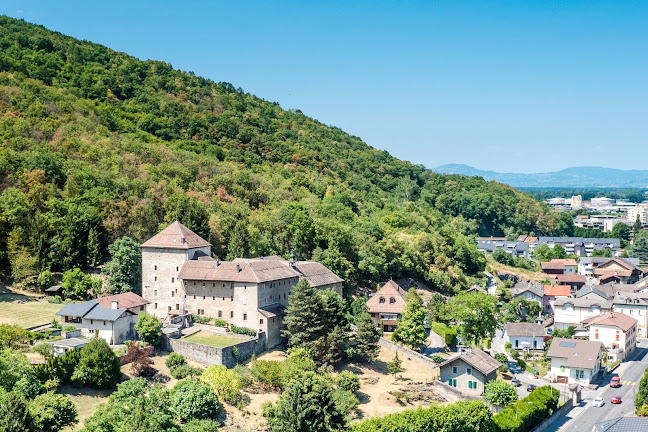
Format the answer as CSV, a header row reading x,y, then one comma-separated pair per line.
x,y
212,339
27,313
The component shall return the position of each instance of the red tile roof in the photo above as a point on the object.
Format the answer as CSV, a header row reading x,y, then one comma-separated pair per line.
x,y
557,290
176,236
126,300
614,319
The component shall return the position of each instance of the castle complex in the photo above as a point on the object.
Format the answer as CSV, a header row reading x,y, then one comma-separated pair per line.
x,y
179,276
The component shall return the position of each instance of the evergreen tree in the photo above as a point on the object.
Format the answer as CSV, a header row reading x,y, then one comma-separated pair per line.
x,y
640,246
637,227
238,244
94,248
366,337
395,366
411,328
14,415
329,347
307,405
303,318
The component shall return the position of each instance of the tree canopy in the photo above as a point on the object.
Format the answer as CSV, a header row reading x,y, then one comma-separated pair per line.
x,y
98,145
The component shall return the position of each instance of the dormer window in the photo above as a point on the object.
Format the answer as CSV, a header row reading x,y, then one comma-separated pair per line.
x,y
628,301
392,300
636,301
381,300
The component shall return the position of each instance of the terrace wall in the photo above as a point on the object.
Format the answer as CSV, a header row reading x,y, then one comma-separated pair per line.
x,y
209,355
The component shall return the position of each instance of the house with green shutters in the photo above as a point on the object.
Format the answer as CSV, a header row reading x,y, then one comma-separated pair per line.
x,y
469,370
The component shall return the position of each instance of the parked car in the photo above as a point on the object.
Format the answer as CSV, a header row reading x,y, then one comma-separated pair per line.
x,y
598,402
531,387
516,382
615,382
615,400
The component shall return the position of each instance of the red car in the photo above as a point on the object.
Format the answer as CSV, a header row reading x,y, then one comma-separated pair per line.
x,y
615,382
615,400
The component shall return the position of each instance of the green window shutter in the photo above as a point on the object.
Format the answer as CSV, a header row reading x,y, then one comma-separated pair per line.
x,y
469,371
470,384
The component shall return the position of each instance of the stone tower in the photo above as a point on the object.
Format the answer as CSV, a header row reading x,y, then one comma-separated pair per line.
x,y
162,258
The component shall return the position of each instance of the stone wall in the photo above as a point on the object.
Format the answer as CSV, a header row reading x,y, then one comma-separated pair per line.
x,y
209,355
410,354
452,394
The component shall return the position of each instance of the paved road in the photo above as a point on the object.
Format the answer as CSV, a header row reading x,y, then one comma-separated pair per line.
x,y
583,418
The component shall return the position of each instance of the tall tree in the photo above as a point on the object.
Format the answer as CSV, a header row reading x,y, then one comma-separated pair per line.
x,y
366,337
307,405
124,270
149,328
330,345
637,227
640,246
478,314
303,319
411,326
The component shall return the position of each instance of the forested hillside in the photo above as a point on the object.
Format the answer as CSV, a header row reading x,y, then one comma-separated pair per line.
x,y
97,145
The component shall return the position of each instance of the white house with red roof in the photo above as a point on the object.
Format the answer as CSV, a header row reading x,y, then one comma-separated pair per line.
x,y
617,332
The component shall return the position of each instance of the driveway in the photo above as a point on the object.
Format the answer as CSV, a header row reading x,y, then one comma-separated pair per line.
x,y
435,344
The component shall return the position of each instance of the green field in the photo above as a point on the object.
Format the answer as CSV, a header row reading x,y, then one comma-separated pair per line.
x,y
212,339
27,314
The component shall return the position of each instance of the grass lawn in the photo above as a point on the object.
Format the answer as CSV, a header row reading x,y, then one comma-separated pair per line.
x,y
86,401
212,339
27,314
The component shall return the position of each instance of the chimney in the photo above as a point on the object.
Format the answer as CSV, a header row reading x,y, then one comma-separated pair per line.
x,y
115,304
238,268
292,259
217,261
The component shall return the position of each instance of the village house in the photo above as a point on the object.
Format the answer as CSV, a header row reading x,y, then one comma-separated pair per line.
x,y
617,332
469,370
559,266
111,318
595,292
525,335
575,360
179,277
573,281
387,306
491,244
551,292
571,311
634,304
587,265
528,291
581,246
618,271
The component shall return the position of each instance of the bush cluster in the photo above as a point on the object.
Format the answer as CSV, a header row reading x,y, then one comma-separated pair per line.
x,y
448,334
200,319
522,416
243,330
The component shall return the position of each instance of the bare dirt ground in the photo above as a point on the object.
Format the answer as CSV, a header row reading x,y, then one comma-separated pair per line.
x,y
380,393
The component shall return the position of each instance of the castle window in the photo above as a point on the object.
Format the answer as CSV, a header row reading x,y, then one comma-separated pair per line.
x,y
169,309
177,306
231,314
223,285
155,267
244,317
194,283
214,298
155,278
203,297
172,280
155,293
172,293
232,298
261,321
220,314
155,305
203,283
213,284
177,268
223,298
245,287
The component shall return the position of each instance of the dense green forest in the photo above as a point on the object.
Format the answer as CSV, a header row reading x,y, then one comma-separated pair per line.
x,y
96,145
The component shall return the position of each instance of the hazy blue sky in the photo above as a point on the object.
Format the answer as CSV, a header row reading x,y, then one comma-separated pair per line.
x,y
511,85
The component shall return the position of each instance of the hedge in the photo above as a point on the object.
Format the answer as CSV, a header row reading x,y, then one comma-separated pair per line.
x,y
448,334
468,416
522,416
243,330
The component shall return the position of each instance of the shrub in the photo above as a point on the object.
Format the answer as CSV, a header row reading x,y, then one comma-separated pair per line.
x,y
515,354
235,351
44,349
243,330
203,425
54,300
270,372
500,393
59,368
98,366
347,380
52,412
522,416
200,319
184,371
448,334
28,385
220,322
224,382
246,375
193,399
140,357
149,328
175,360
436,358
508,346
501,357
345,401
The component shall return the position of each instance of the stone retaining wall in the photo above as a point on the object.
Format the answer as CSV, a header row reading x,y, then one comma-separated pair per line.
x,y
410,354
209,355
451,394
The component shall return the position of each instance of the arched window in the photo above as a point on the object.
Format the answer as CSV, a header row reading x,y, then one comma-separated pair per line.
x,y
381,300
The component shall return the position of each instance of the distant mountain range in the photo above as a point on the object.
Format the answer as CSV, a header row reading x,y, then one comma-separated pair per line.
x,y
576,177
